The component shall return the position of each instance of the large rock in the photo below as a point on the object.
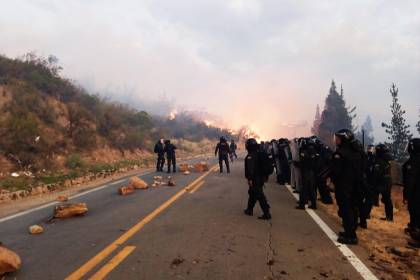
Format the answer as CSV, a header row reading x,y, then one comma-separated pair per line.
x,y
201,167
183,167
70,210
36,229
137,183
9,261
126,190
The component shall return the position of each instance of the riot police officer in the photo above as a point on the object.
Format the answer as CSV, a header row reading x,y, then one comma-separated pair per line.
x,y
347,175
308,164
257,171
224,152
411,181
382,182
169,149
160,162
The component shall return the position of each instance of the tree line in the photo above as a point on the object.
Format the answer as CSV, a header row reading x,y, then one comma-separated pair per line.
x,y
337,115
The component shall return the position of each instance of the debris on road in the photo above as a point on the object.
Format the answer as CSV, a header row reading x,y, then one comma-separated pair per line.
x,y
171,183
126,190
183,167
70,210
158,181
62,198
176,262
187,172
137,183
201,167
9,261
36,229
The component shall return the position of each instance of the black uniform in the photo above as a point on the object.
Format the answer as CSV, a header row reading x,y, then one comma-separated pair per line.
x,y
224,151
256,176
381,177
347,175
169,149
308,164
159,150
233,147
325,155
411,181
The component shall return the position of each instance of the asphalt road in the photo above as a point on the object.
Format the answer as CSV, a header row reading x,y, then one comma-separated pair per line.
x,y
196,230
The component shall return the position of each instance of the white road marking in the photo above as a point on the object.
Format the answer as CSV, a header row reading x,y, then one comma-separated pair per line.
x,y
71,197
344,249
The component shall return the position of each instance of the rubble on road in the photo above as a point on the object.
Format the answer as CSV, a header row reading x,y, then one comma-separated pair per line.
x,y
9,261
36,229
158,181
70,210
183,167
137,183
126,190
187,172
171,183
201,167
62,198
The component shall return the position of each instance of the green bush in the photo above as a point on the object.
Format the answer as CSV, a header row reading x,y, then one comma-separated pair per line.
x,y
74,161
15,184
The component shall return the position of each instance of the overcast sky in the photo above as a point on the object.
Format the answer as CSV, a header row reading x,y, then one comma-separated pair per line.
x,y
263,63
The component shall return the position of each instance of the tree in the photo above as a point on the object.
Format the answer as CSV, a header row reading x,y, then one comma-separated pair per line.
x,y
368,129
335,115
418,124
398,131
317,122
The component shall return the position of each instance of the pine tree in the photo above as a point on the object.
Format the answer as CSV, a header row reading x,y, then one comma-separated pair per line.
x,y
335,115
398,132
317,122
418,124
368,128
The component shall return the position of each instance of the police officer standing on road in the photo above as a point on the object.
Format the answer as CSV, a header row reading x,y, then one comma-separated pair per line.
x,y
381,174
347,176
411,181
257,170
160,155
233,147
169,149
224,151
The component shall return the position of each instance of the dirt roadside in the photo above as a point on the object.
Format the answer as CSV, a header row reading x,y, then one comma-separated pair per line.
x,y
386,243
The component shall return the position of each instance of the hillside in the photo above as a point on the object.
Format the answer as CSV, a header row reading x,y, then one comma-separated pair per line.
x,y
49,125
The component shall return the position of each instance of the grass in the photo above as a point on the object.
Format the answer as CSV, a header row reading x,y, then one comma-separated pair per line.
x,y
16,184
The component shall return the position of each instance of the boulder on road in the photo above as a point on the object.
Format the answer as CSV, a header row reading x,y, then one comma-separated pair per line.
x,y
138,183
126,190
36,229
183,167
9,261
70,210
171,183
201,167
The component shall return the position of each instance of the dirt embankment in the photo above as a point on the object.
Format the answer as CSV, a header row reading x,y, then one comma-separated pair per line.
x,y
387,244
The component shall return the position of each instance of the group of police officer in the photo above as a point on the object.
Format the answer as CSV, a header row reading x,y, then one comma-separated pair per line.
x,y
357,178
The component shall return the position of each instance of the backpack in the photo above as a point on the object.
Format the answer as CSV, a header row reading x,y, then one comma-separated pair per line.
x,y
267,163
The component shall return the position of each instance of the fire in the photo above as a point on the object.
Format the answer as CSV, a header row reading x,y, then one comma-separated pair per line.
x,y
172,115
208,123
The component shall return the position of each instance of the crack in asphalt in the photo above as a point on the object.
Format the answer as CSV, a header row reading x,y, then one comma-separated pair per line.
x,y
271,253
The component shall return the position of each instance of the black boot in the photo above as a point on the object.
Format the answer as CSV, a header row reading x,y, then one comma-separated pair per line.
x,y
266,216
248,212
343,239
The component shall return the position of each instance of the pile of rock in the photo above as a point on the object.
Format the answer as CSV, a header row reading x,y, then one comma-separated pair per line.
x,y
9,261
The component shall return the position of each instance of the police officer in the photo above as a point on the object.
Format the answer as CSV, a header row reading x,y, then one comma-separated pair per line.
x,y
309,162
169,149
224,151
160,155
256,164
411,181
347,175
325,154
382,182
233,147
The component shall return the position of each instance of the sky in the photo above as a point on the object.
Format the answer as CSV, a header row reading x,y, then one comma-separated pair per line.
x,y
266,64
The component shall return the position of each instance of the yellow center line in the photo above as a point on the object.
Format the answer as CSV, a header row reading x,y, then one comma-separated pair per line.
x,y
197,187
113,263
89,265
